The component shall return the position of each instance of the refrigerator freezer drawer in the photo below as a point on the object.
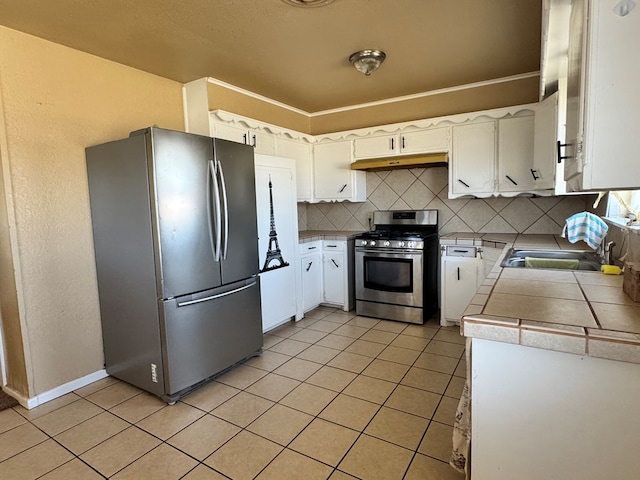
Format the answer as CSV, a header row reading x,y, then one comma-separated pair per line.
x,y
206,333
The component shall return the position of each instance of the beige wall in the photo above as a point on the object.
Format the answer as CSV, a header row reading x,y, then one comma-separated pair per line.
x,y
56,101
221,98
486,97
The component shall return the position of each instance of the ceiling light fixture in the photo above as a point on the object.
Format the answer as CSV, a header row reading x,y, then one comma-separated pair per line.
x,y
308,3
367,61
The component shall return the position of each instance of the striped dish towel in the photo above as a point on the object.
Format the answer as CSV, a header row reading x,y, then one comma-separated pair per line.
x,y
587,227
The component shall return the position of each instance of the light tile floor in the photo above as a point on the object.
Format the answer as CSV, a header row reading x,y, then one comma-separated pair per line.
x,y
332,396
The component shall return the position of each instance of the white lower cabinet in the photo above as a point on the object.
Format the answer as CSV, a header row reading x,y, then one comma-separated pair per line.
x,y
575,415
327,274
460,279
335,271
311,273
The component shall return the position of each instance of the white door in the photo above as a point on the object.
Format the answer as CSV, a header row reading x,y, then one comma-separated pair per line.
x,y
277,238
334,286
515,154
472,168
459,285
311,267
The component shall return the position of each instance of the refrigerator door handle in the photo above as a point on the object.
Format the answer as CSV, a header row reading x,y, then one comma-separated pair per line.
x,y
214,201
213,297
225,206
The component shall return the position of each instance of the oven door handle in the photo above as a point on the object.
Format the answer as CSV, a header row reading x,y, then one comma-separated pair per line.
x,y
381,252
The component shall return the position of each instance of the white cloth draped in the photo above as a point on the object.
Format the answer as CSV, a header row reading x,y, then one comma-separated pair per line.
x,y
460,456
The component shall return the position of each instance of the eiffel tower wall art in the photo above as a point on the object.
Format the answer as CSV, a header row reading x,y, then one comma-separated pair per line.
x,y
277,238
273,258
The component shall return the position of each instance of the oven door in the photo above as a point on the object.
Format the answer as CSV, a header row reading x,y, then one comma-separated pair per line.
x,y
389,276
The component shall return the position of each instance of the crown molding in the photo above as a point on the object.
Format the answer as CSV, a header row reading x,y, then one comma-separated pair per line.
x,y
257,96
404,98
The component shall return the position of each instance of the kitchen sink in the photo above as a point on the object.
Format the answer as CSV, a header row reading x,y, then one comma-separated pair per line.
x,y
586,260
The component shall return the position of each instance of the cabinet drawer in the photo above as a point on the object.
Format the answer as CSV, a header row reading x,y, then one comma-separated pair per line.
x,y
334,245
311,247
460,251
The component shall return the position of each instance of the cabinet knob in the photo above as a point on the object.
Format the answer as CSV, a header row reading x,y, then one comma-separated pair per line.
x,y
511,180
343,187
334,262
533,174
464,183
393,146
309,266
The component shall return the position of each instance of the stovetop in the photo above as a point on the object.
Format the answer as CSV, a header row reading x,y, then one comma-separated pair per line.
x,y
400,229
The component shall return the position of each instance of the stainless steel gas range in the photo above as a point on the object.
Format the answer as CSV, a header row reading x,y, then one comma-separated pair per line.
x,y
396,266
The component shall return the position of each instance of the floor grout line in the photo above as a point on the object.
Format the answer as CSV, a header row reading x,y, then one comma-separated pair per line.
x,y
367,360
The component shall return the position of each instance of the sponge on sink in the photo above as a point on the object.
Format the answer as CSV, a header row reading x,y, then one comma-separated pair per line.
x,y
568,263
611,269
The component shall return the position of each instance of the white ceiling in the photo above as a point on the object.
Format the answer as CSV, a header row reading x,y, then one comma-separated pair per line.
x,y
295,55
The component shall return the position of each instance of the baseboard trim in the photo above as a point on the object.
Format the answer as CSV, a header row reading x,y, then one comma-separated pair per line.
x,y
49,395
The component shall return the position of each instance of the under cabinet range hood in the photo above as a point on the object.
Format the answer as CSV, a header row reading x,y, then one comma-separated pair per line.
x,y
392,163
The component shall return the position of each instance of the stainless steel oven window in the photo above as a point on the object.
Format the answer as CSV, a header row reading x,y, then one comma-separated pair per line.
x,y
388,274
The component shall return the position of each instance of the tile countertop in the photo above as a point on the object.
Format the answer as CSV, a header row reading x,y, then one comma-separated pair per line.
x,y
579,312
312,235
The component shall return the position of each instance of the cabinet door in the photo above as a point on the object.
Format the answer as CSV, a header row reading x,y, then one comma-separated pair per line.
x,y
263,142
311,266
230,132
515,154
334,274
459,285
301,152
432,140
332,177
375,146
545,136
575,89
612,99
472,169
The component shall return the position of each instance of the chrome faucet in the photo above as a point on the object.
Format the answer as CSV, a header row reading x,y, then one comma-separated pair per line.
x,y
608,257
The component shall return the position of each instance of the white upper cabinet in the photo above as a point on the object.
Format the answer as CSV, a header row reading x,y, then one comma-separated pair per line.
x,y
431,140
269,140
300,151
603,100
515,154
263,142
332,175
511,155
473,156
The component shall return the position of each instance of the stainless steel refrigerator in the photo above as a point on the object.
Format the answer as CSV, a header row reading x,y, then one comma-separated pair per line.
x,y
176,246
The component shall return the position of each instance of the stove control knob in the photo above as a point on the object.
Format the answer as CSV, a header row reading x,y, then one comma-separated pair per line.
x,y
387,243
411,244
363,243
401,244
372,243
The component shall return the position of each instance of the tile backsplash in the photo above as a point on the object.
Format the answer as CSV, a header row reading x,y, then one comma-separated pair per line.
x,y
427,188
